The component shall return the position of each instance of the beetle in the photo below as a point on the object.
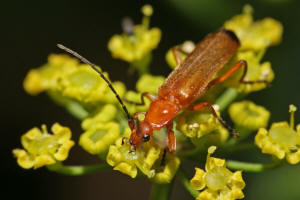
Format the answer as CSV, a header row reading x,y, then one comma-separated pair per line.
x,y
188,82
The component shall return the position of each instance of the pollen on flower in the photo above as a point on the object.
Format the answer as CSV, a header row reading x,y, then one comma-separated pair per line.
x,y
146,159
124,160
248,115
217,182
281,140
202,127
42,148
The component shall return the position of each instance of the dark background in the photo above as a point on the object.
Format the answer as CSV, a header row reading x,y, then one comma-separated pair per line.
x,y
30,30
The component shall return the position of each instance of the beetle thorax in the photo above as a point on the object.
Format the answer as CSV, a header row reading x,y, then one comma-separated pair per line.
x,y
161,112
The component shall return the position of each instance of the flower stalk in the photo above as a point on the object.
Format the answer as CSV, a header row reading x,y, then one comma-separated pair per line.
x,y
252,167
78,170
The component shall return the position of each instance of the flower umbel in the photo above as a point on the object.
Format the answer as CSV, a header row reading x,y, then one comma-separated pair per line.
x,y
47,76
217,182
146,158
136,44
255,35
202,128
282,140
42,148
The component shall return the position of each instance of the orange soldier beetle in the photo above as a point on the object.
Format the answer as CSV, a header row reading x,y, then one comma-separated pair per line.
x,y
189,81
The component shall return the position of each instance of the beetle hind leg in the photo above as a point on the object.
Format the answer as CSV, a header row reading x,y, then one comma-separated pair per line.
x,y
202,105
231,71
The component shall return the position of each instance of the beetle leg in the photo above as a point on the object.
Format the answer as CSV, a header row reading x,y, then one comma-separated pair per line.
x,y
231,71
176,55
202,105
148,95
171,137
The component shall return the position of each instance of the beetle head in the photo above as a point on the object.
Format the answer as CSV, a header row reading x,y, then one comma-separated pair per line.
x,y
141,132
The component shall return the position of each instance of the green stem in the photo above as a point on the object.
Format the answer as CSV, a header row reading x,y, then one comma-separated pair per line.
x,y
252,167
186,183
226,98
161,191
75,109
78,170
72,106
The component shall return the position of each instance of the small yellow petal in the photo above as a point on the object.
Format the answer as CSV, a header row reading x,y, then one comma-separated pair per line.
x,y
107,113
169,170
126,168
198,182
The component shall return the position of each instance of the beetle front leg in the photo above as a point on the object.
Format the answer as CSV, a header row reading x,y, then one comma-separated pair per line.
x,y
148,95
171,137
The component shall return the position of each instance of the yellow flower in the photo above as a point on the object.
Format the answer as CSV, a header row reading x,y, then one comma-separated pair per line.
x,y
107,113
168,171
46,77
248,115
146,158
149,83
133,47
281,140
256,71
42,148
85,85
196,124
255,35
99,137
217,182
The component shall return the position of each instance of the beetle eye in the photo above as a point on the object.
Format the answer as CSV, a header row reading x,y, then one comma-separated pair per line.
x,y
146,138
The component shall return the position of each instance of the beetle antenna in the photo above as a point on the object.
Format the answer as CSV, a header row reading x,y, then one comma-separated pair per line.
x,y
77,55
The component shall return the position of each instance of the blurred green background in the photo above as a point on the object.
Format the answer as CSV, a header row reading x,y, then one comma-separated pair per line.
x,y
30,30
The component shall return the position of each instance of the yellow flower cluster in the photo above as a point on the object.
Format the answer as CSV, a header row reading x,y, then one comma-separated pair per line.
x,y
202,127
146,158
42,148
64,75
256,35
47,76
133,47
281,140
100,130
217,182
255,38
247,115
